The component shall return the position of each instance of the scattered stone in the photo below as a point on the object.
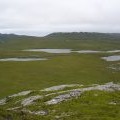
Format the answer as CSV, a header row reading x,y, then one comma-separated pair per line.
x,y
77,92
14,109
108,87
21,93
30,100
41,113
113,103
35,112
64,97
3,101
115,67
64,115
60,87
59,96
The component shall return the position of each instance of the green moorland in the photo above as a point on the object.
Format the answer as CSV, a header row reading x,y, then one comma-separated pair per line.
x,y
72,68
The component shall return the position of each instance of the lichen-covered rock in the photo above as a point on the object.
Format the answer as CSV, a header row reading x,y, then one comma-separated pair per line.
x,y
63,97
50,96
13,109
30,100
3,101
60,87
21,93
35,112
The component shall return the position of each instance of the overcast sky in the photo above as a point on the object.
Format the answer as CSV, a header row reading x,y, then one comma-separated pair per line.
x,y
39,17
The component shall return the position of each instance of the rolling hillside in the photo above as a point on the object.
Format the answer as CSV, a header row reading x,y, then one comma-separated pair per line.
x,y
77,85
95,41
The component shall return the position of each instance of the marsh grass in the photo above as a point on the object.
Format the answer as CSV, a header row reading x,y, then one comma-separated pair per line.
x,y
59,69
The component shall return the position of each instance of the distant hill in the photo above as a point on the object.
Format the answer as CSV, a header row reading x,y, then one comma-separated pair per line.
x,y
7,37
61,35
74,40
4,37
86,36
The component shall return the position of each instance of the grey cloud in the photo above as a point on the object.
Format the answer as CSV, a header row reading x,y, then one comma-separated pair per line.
x,y
34,17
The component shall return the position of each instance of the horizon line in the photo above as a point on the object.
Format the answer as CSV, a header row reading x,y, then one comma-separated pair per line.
x,y
46,34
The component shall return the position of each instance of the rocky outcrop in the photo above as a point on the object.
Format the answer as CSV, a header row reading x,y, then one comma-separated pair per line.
x,y
52,96
30,100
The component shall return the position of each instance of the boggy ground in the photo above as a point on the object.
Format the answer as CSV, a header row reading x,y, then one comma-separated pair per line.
x,y
59,69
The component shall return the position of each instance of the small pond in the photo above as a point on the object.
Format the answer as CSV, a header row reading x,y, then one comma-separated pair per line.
x,y
87,51
70,51
51,50
112,58
22,59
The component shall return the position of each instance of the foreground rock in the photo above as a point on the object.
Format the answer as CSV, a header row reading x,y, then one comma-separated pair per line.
x,y
4,100
30,100
60,87
35,112
64,97
21,93
50,96
77,92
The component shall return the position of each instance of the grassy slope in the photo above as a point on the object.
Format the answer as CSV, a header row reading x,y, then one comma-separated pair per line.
x,y
76,68
60,69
